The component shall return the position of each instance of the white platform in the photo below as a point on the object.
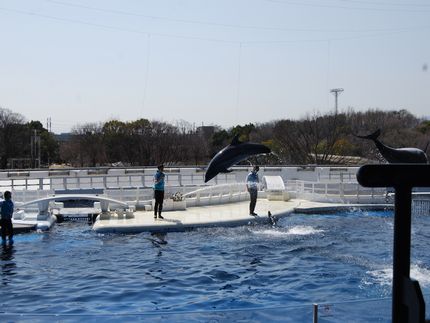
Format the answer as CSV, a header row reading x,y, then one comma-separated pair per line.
x,y
41,222
231,214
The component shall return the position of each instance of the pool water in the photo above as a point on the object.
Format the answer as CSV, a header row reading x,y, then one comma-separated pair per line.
x,y
73,272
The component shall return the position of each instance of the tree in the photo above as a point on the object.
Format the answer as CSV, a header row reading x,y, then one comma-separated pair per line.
x,y
89,145
243,131
12,137
116,140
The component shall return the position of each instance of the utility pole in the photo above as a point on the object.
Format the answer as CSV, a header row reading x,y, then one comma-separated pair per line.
x,y
336,92
35,150
48,124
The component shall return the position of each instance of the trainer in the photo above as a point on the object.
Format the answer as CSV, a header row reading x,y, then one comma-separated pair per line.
x,y
252,186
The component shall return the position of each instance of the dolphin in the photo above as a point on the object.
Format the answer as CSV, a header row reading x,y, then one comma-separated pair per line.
x,y
232,154
397,155
272,219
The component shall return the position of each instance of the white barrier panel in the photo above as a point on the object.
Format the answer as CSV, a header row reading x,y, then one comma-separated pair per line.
x,y
275,188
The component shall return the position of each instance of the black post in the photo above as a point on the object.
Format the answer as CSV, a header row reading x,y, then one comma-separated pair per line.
x,y
407,299
401,251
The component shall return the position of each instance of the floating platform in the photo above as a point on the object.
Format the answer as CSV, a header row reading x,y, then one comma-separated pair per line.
x,y
23,228
223,215
231,214
35,220
309,207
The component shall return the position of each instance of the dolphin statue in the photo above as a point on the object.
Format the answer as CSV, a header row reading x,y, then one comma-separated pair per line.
x,y
235,152
397,155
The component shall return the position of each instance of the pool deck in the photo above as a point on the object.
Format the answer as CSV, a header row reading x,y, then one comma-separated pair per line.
x,y
231,214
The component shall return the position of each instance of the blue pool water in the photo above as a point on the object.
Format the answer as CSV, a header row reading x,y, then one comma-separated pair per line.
x,y
258,273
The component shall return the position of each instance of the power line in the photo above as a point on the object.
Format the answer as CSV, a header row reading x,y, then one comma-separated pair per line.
x,y
109,27
395,4
329,6
209,23
145,84
115,28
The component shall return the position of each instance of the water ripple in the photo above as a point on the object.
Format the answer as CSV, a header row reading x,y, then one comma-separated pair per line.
x,y
305,259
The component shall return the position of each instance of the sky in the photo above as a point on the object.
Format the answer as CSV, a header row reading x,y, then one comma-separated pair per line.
x,y
211,62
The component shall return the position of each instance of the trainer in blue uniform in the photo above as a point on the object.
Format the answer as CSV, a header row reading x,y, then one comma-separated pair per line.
x,y
252,185
6,217
159,191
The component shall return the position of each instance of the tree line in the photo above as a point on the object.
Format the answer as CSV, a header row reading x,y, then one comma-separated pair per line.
x,y
317,138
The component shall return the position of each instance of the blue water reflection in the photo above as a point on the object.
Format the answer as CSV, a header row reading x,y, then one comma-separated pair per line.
x,y
253,273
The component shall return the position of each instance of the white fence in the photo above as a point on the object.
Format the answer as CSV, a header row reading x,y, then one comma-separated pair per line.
x,y
86,180
217,194
331,184
421,203
337,192
107,178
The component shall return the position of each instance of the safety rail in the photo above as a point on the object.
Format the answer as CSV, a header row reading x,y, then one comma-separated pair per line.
x,y
107,178
217,194
357,310
106,181
313,191
337,192
338,174
421,203
43,203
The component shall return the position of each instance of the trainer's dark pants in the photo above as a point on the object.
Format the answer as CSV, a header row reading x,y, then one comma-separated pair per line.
x,y
6,228
253,196
159,197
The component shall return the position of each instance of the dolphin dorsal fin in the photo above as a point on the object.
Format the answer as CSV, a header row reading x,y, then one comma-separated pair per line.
x,y
235,140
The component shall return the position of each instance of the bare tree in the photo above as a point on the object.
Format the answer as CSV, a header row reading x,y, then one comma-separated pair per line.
x,y
312,140
89,142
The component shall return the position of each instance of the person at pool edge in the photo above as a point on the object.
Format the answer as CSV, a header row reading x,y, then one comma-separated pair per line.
x,y
252,181
159,191
6,218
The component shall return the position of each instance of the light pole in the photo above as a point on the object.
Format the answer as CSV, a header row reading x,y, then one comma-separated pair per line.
x,y
336,92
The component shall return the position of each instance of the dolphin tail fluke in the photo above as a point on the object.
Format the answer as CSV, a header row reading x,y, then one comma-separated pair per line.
x,y
372,136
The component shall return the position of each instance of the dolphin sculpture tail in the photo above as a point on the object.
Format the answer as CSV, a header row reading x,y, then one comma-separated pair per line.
x,y
373,136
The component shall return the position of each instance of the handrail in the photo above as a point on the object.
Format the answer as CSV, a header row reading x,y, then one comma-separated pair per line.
x,y
143,176
43,203
328,311
340,190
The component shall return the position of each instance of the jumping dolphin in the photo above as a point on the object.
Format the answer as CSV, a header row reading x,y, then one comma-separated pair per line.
x,y
397,155
232,154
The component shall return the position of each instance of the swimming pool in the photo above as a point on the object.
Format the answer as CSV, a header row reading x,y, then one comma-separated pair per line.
x,y
342,261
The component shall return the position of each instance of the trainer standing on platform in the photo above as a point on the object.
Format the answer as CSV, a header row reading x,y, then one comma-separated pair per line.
x,y
252,185
6,218
159,191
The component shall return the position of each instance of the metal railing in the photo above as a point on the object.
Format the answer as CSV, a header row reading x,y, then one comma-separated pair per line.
x,y
106,178
332,184
107,182
351,192
217,194
358,310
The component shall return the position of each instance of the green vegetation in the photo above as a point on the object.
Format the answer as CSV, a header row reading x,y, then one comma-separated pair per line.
x,y
315,139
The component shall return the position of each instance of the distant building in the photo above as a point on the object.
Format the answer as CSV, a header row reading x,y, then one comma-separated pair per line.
x,y
63,137
206,131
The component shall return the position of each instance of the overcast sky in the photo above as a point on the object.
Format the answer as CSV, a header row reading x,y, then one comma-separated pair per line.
x,y
223,62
